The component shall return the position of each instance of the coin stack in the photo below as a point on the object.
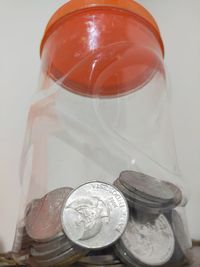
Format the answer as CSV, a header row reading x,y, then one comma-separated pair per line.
x,y
50,246
65,225
105,257
155,235
133,222
22,243
147,193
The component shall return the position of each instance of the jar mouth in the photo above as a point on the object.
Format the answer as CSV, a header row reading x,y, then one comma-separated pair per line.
x,y
146,18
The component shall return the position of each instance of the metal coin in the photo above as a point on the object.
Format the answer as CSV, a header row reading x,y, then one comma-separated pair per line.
x,y
138,203
145,208
104,265
124,257
99,260
178,195
149,242
43,219
147,186
21,241
131,195
95,215
181,235
64,259
42,247
30,205
61,248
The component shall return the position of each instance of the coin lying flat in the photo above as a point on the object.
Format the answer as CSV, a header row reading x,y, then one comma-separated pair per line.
x,y
178,195
66,258
134,197
147,186
147,242
21,245
43,247
99,260
139,203
95,215
102,257
181,236
43,219
103,265
22,241
124,257
53,252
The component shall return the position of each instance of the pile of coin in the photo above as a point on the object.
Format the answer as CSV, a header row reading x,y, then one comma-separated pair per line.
x,y
133,222
105,257
22,244
155,235
147,193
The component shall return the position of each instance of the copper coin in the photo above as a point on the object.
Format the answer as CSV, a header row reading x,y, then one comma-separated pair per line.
x,y
43,222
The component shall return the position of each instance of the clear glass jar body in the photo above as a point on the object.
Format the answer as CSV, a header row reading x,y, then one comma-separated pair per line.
x,y
98,113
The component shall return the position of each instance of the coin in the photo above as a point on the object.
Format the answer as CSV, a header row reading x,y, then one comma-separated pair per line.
x,y
66,258
148,242
95,215
124,257
30,205
50,249
103,265
147,186
21,245
178,195
138,203
42,247
43,219
135,197
50,254
22,241
181,235
102,258
109,259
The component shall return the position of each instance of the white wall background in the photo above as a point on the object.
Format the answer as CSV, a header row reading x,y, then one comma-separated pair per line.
x,y
21,27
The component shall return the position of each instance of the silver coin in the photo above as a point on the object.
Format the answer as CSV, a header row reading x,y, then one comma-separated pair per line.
x,y
61,248
64,259
42,247
141,207
135,198
99,260
124,257
95,215
149,242
104,265
181,235
138,203
147,186
178,195
21,241
43,219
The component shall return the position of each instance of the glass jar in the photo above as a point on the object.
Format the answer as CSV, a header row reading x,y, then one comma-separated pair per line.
x,y
102,114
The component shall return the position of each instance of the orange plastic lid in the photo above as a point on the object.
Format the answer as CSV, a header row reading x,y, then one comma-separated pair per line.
x,y
102,48
75,5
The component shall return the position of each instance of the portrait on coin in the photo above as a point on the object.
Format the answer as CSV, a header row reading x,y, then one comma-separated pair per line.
x,y
86,217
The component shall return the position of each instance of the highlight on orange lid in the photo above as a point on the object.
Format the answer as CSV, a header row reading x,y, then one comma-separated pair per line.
x,y
102,48
75,5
